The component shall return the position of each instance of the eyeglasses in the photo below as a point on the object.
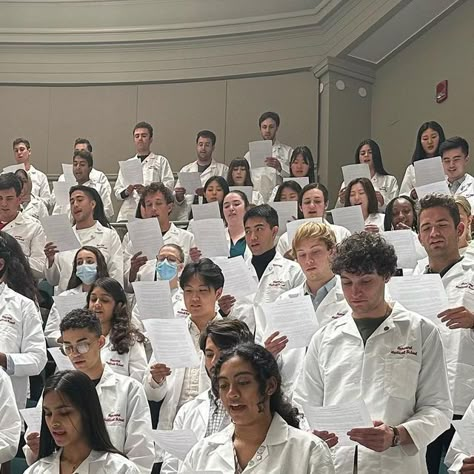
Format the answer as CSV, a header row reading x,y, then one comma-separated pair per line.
x,y
81,348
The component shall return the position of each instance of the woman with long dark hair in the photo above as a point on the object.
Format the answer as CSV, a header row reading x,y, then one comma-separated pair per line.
x,y
264,430
239,174
73,435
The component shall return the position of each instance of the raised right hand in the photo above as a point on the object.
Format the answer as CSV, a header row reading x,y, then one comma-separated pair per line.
x,y
159,372
50,250
33,442
136,262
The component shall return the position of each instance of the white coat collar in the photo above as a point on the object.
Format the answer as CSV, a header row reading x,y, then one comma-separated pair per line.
x,y
108,378
98,228
94,456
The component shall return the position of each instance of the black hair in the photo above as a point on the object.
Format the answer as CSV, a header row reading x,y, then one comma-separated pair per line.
x,y
439,200
269,115
158,187
81,319
80,391
293,185
83,141
363,253
17,141
453,143
17,271
305,152
144,125
102,270
263,211
24,174
419,153
265,368
10,181
388,219
207,270
123,334
207,134
85,155
99,213
372,206
225,188
237,163
138,212
376,156
225,334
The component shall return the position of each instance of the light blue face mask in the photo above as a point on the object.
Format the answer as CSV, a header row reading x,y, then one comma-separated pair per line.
x,y
87,273
166,270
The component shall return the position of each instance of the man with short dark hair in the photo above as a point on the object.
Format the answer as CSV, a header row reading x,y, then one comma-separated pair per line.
x,y
390,357
156,168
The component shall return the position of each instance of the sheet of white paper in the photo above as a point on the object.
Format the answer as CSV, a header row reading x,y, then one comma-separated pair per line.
x,y
238,279
439,187
61,192
32,417
302,181
59,231
13,168
258,152
210,210
132,171
465,430
404,244
424,294
176,442
428,171
292,317
287,212
153,299
145,236
62,362
339,419
293,226
172,343
65,303
210,238
190,181
349,217
68,174
351,172
247,190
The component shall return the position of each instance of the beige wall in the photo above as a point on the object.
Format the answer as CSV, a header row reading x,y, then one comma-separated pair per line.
x,y
52,117
404,91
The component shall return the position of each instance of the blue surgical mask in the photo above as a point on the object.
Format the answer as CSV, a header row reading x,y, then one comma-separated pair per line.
x,y
87,273
166,270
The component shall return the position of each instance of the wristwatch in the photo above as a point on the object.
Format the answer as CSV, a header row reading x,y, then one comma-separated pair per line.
x,y
396,436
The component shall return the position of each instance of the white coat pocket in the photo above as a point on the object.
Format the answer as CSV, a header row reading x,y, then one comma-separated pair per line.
x,y
401,377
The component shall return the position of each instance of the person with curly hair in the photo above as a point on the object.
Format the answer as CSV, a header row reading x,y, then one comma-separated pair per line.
x,y
390,357
264,434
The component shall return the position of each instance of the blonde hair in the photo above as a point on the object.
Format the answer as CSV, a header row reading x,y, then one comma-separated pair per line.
x,y
466,207
316,231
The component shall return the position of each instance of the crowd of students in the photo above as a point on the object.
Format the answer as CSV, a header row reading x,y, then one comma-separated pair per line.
x,y
254,398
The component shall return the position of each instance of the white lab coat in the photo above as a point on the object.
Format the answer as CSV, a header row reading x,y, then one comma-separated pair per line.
x,y
10,421
280,276
284,450
40,185
35,208
156,168
467,190
104,238
408,182
96,463
376,219
181,209
400,374
100,177
265,179
30,235
340,232
21,339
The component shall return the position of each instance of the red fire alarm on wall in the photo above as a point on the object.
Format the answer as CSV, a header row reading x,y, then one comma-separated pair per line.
x,y
441,91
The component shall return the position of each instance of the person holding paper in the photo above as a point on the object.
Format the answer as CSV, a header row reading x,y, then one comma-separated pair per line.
x,y
263,436
123,400
30,205
440,230
428,140
156,168
74,437
287,191
22,153
385,185
26,230
206,415
89,265
390,357
205,165
239,174
312,204
361,192
235,205
91,228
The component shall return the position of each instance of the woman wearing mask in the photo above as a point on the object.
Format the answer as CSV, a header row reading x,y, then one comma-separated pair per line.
x,y
239,174
30,205
124,349
429,138
89,265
